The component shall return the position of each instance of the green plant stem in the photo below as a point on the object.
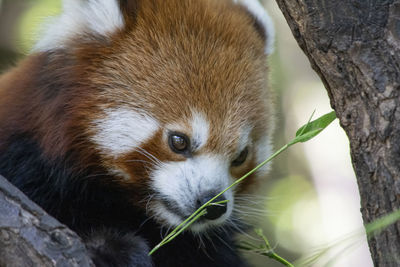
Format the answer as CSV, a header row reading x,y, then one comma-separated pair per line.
x,y
170,237
274,256
268,252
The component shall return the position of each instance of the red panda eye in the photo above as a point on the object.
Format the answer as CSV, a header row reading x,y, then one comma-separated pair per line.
x,y
241,158
179,143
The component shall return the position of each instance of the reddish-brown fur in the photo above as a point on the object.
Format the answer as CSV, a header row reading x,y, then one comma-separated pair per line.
x,y
170,60
157,67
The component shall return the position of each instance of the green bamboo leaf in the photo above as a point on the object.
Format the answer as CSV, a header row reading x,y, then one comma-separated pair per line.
x,y
313,128
305,137
320,123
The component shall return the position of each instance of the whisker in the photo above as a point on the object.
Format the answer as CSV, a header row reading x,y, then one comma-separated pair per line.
x,y
224,242
210,240
145,221
201,242
148,157
202,245
138,160
252,208
148,202
223,229
96,175
168,229
240,230
260,197
161,232
244,211
247,206
145,152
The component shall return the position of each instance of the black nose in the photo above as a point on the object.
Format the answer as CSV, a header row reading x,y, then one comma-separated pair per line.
x,y
214,211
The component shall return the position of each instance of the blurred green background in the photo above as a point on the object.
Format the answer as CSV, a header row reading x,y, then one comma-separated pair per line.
x,y
310,201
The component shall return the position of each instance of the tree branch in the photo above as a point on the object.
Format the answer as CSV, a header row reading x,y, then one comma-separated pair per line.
x,y
354,46
30,237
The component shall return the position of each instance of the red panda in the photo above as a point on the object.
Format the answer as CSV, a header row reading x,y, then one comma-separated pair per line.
x,y
128,115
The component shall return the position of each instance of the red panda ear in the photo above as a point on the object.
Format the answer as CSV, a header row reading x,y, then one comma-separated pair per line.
x,y
262,22
83,18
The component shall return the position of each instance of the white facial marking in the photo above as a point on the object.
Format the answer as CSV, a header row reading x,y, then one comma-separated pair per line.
x,y
258,11
161,212
263,151
122,130
183,183
244,138
200,130
99,17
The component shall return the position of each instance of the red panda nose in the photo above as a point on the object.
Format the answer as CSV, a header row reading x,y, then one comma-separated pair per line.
x,y
214,211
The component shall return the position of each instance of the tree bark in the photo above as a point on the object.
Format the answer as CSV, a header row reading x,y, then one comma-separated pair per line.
x,y
354,46
30,237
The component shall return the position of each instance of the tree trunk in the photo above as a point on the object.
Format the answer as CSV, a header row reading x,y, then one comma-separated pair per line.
x,y
30,237
354,46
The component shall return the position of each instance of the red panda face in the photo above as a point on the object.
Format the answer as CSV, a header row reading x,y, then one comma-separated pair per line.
x,y
176,102
183,164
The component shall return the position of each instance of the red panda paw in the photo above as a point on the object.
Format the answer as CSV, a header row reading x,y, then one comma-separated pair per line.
x,y
112,248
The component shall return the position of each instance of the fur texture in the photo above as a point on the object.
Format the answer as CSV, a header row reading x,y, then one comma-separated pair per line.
x,y
86,123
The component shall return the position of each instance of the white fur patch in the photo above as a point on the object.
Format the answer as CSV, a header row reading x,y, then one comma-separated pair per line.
x,y
200,130
164,214
122,130
259,12
244,138
99,17
185,182
263,150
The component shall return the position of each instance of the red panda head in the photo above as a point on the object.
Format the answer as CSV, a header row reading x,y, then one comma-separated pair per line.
x,y
172,96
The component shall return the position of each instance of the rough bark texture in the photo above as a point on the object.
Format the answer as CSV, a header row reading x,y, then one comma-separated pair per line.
x,y
354,45
30,237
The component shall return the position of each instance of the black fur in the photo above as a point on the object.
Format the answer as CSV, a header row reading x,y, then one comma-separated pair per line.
x,y
105,245
116,233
